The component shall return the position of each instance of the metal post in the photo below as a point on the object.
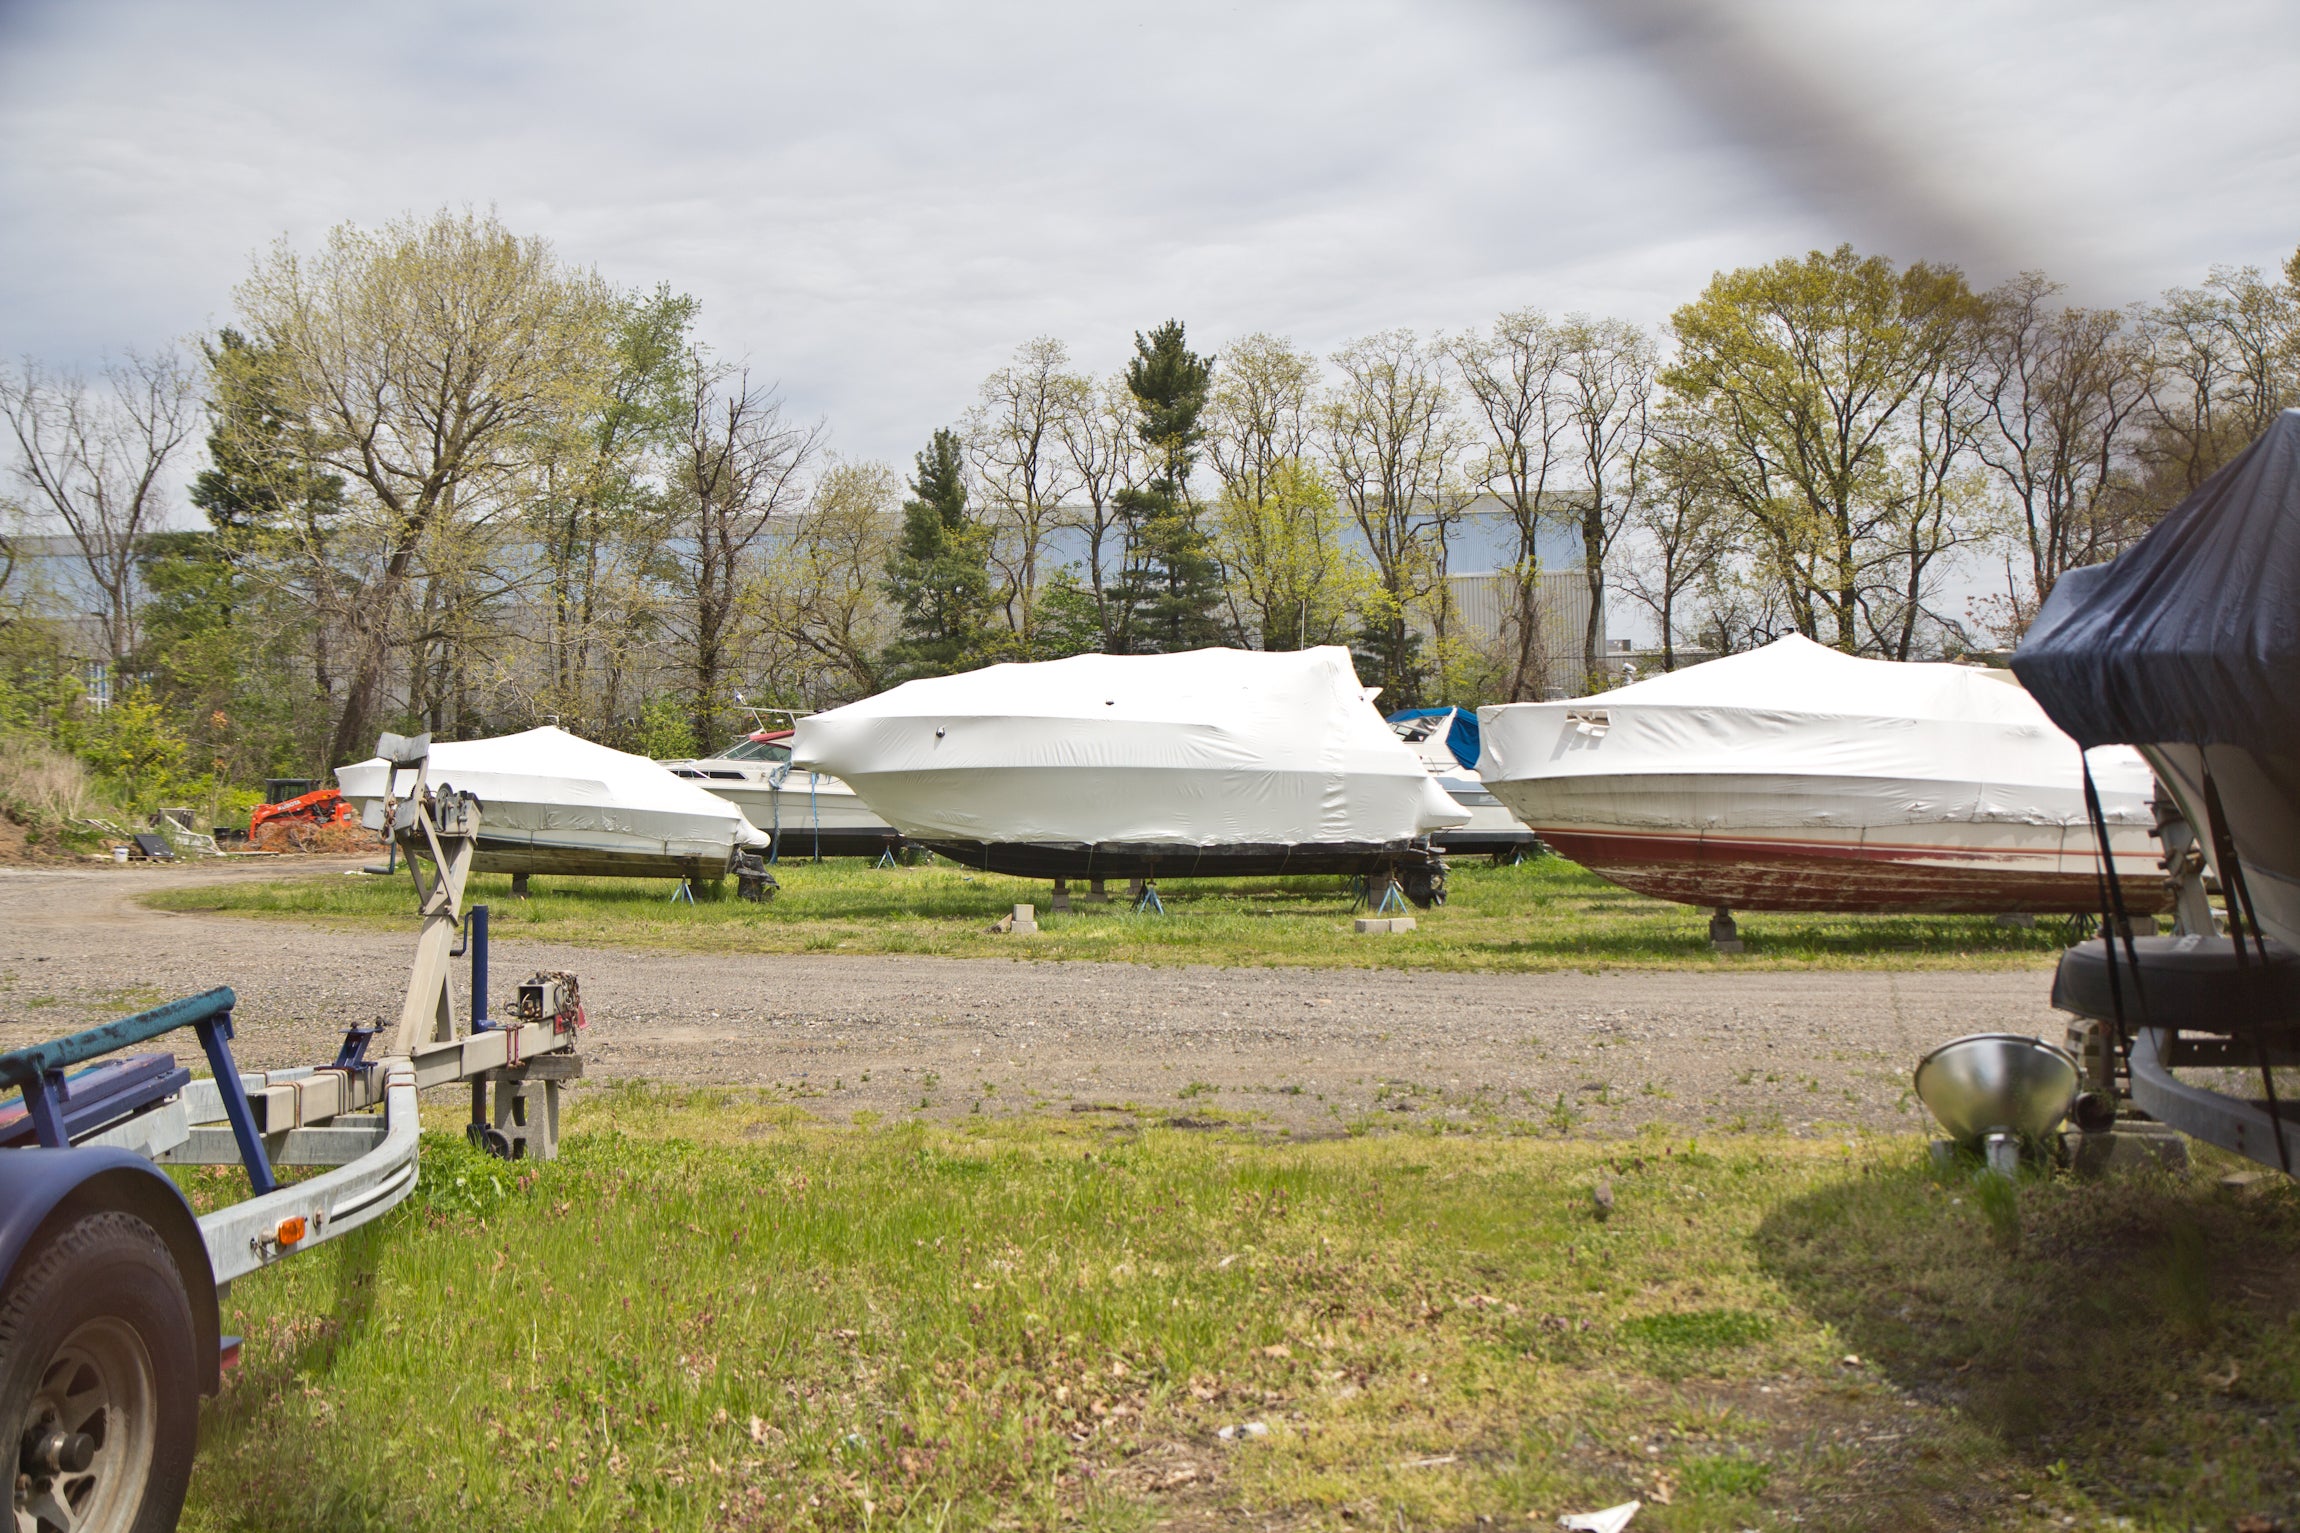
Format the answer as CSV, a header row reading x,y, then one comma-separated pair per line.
x,y
215,1040
40,1096
479,1022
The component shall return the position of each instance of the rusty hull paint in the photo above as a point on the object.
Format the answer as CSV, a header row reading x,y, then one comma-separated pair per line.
x,y
1745,873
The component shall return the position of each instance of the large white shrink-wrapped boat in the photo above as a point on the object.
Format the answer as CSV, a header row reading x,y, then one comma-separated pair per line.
x,y
1213,762
552,802
1796,777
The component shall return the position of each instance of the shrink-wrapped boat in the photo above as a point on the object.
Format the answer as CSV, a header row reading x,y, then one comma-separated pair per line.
x,y
1214,762
807,814
1446,740
551,802
1796,777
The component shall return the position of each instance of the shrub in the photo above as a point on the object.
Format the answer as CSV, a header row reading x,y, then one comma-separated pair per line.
x,y
40,785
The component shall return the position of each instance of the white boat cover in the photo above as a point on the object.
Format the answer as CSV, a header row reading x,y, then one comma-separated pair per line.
x,y
1213,747
546,783
1901,744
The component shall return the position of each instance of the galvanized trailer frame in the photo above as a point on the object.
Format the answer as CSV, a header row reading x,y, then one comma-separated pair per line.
x,y
95,1242
355,1116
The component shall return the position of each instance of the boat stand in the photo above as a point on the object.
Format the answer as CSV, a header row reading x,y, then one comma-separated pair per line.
x,y
1149,903
685,891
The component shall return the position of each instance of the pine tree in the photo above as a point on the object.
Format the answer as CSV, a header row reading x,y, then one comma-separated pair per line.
x,y
1169,595
939,573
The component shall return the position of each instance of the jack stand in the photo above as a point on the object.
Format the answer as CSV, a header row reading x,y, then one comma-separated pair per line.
x,y
1149,903
1390,900
685,891
1724,936
2002,1152
886,858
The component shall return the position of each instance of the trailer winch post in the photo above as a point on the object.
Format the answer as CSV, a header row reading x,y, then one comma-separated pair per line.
x,y
443,827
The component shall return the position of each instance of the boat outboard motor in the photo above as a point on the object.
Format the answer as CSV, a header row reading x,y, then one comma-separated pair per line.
x,y
2187,646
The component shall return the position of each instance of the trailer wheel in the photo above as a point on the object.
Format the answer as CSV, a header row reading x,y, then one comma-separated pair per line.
x,y
97,1381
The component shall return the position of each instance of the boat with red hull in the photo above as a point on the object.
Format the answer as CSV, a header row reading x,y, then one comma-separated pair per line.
x,y
1799,778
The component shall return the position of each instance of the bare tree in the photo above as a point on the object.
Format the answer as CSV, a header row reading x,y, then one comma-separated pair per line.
x,y
2228,359
1939,504
739,465
1394,446
1606,383
1104,441
1263,415
823,603
96,460
1015,439
1679,531
1515,379
2062,387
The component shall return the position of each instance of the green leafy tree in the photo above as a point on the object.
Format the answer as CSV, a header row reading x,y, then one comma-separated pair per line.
x,y
132,745
1169,593
1804,386
939,574
1295,577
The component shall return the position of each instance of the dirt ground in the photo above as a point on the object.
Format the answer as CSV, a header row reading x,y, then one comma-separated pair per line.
x,y
1303,1051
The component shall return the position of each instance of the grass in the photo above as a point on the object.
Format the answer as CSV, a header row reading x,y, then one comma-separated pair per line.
x,y
1542,915
767,1323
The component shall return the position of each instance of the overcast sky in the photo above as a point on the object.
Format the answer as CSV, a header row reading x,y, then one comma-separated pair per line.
x,y
875,202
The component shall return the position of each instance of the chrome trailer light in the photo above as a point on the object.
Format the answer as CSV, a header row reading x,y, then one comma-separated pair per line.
x,y
1995,1091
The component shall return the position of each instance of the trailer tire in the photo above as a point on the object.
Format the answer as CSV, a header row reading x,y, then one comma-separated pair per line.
x,y
99,1390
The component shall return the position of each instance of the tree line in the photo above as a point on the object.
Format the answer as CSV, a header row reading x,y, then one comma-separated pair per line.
x,y
447,480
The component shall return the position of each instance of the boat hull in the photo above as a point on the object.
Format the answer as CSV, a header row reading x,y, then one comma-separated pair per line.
x,y
1860,873
1811,843
2260,799
1049,859
621,859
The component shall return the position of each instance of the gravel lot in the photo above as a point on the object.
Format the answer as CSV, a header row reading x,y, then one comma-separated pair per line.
x,y
1307,1051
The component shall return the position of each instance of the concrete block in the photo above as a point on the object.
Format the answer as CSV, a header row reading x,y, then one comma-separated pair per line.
x,y
1383,925
2130,1146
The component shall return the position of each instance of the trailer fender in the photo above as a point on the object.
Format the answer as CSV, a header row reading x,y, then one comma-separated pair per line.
x,y
43,1190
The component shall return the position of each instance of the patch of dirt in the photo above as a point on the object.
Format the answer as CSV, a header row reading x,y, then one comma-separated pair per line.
x,y
335,840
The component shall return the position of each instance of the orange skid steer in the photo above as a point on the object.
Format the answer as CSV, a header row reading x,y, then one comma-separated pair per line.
x,y
297,822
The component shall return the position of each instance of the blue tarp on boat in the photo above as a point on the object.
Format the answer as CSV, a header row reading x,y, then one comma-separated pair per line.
x,y
1460,735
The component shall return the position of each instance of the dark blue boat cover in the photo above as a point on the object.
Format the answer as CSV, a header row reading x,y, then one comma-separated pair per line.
x,y
1460,737
2193,633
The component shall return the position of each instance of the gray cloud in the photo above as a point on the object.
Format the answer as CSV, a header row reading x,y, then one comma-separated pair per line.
x,y
875,202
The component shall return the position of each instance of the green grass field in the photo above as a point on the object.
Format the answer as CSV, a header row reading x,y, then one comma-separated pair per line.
x,y
766,1323
1546,914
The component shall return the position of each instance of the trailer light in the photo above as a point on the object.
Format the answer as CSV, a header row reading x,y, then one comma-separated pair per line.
x,y
228,1353
291,1230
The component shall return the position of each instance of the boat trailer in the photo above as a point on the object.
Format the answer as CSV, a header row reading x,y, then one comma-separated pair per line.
x,y
109,1284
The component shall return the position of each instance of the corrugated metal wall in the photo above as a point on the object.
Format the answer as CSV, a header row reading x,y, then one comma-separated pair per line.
x,y
1486,605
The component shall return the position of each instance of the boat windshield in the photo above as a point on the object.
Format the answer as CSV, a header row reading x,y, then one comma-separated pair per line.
x,y
757,750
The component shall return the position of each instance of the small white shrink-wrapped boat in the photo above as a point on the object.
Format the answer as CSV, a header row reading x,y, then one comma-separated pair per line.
x,y
1796,777
1211,763
551,802
814,813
